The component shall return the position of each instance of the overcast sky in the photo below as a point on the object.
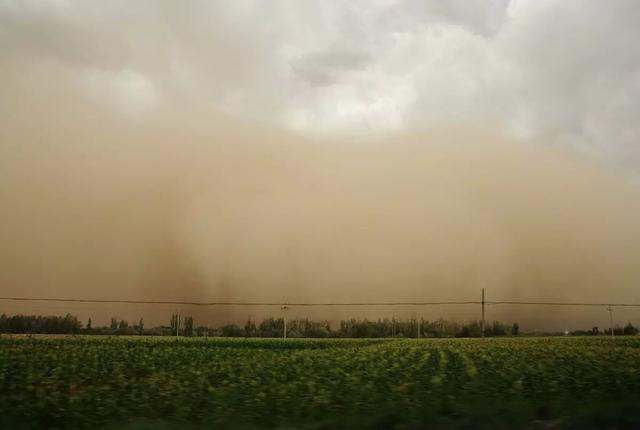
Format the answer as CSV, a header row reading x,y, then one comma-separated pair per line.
x,y
566,73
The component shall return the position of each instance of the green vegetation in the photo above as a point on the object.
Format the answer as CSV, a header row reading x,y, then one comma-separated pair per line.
x,y
144,382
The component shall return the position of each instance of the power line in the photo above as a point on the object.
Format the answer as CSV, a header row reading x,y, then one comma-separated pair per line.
x,y
562,303
172,302
313,304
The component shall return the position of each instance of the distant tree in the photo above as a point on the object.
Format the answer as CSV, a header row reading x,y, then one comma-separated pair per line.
x,y
141,327
250,329
175,320
464,332
231,330
498,329
188,326
515,330
316,329
71,324
271,327
89,324
114,323
630,330
123,327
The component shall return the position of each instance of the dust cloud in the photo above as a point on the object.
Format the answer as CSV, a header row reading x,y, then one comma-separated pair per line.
x,y
186,203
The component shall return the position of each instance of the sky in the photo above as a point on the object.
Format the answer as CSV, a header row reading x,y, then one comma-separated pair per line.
x,y
321,151
565,73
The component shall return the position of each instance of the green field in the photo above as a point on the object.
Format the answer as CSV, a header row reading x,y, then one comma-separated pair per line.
x,y
74,382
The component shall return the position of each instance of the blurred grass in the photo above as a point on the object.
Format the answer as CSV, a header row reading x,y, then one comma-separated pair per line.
x,y
140,383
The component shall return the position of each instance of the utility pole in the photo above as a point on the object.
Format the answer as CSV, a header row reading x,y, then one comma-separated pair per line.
x,y
482,322
284,317
610,309
178,325
175,319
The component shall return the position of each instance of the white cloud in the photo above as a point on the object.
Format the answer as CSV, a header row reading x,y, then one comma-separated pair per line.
x,y
561,72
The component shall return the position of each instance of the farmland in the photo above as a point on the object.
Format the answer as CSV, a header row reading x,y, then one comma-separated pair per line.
x,y
84,381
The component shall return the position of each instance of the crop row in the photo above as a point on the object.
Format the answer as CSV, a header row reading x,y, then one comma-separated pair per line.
x,y
82,381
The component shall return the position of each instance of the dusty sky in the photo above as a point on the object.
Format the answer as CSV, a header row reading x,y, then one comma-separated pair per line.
x,y
297,150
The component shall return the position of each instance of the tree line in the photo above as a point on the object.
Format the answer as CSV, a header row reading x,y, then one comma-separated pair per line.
x,y
68,324
627,330
274,327
268,327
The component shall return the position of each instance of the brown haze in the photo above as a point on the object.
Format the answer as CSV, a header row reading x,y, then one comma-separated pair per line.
x,y
186,204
